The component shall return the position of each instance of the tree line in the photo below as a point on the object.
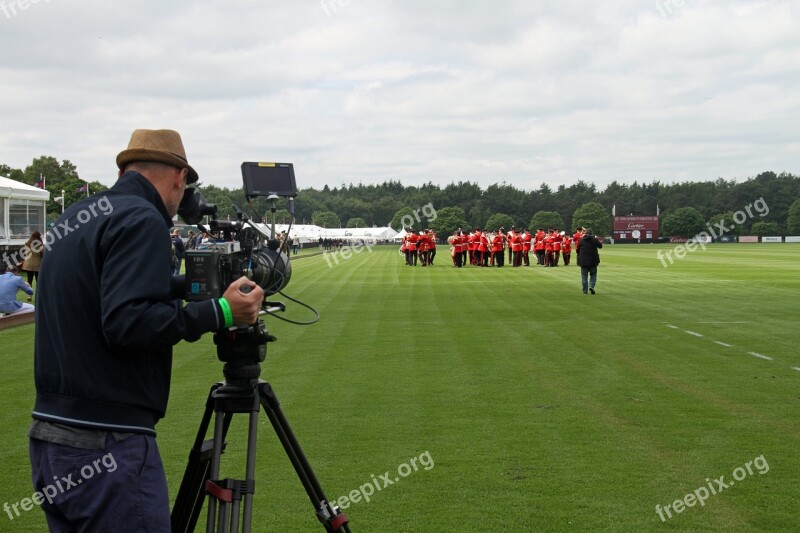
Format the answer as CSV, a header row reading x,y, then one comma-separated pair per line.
x,y
686,207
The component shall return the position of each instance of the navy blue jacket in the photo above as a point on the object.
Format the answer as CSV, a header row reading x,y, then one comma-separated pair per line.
x,y
107,314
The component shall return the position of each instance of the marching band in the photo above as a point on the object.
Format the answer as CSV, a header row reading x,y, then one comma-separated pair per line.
x,y
483,248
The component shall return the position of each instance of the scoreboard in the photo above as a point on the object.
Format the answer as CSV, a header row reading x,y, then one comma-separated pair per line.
x,y
635,228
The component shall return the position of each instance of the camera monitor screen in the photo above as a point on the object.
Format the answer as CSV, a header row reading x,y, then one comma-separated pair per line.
x,y
264,179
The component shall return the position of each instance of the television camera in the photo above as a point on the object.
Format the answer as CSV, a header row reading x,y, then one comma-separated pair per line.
x,y
242,248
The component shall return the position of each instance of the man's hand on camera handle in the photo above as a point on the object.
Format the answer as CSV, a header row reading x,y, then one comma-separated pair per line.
x,y
245,298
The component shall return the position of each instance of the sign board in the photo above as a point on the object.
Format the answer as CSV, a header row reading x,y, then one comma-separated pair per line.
x,y
793,239
635,228
748,238
771,239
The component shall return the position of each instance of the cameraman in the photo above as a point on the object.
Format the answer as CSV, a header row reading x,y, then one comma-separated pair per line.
x,y
106,320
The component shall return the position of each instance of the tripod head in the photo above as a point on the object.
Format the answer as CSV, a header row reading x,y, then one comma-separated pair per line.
x,y
244,348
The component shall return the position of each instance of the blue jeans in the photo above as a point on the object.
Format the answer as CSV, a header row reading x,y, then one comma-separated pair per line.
x,y
588,272
119,488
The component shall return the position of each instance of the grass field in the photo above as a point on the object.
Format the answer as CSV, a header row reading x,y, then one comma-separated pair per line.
x,y
506,400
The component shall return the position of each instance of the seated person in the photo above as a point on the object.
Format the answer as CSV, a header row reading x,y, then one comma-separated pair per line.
x,y
10,283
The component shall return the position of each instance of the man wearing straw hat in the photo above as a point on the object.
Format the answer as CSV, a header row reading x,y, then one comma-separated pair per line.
x,y
107,317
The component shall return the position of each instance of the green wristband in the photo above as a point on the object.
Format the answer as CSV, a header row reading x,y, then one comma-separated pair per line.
x,y
226,312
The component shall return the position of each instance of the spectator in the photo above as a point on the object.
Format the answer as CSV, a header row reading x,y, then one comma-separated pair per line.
x,y
10,284
179,250
34,249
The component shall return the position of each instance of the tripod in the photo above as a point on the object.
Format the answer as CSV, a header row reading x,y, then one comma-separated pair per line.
x,y
242,350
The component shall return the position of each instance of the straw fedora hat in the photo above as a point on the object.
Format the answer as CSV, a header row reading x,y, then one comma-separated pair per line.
x,y
160,146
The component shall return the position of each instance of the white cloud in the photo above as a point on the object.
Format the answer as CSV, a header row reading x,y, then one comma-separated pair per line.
x,y
524,92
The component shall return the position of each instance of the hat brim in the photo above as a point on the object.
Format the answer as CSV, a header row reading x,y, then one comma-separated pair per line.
x,y
157,156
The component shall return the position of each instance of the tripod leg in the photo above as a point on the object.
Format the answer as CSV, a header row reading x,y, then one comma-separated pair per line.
x,y
331,518
189,501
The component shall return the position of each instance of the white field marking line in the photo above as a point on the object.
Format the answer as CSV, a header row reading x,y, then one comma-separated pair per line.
x,y
796,368
739,322
754,354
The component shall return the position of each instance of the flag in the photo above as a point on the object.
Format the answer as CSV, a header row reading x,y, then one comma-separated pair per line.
x,y
84,188
39,184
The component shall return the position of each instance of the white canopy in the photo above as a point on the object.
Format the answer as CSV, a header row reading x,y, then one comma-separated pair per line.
x,y
20,191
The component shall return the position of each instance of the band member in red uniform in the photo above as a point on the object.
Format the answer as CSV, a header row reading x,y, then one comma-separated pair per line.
x,y
471,247
498,254
431,246
422,248
411,246
455,242
577,236
509,240
526,247
516,249
557,238
404,248
483,249
538,246
548,248
566,249
464,242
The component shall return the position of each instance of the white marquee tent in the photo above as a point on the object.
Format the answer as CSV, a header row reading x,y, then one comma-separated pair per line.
x,y
22,211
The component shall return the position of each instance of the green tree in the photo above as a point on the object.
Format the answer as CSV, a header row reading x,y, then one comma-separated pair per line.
x,y
762,228
326,219
683,222
793,220
356,223
282,216
592,215
546,219
723,220
499,220
404,214
448,220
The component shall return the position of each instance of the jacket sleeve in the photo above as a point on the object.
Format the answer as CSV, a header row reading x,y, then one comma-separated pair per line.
x,y
139,308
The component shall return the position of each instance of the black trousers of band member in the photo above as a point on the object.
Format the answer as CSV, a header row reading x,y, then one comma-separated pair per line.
x,y
518,258
525,258
556,256
457,259
499,258
548,258
567,256
431,255
539,257
423,257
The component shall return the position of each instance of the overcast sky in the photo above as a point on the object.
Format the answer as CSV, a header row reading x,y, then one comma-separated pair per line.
x,y
524,92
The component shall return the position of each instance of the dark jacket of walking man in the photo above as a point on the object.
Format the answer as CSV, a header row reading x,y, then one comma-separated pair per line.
x,y
588,259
